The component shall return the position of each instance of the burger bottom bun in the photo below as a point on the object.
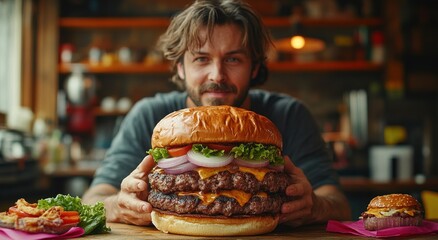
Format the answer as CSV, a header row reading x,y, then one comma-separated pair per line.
x,y
374,223
207,226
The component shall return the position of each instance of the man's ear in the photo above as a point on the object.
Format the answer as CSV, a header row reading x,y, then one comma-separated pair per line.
x,y
180,70
255,70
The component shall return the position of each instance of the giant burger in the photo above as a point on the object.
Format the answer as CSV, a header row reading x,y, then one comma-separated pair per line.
x,y
219,172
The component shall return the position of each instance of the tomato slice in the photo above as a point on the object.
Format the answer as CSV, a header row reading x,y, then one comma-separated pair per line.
x,y
226,148
69,213
20,213
179,151
70,219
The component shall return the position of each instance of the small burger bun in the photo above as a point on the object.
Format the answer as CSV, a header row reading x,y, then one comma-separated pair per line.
x,y
392,210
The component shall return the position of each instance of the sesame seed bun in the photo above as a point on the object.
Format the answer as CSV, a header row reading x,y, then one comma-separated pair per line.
x,y
394,201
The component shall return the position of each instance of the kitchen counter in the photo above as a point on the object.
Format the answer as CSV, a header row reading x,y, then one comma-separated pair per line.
x,y
124,231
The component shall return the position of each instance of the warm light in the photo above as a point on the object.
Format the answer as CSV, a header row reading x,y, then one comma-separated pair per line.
x,y
297,42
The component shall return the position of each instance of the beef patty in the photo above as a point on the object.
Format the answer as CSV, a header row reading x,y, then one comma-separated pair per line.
x,y
190,181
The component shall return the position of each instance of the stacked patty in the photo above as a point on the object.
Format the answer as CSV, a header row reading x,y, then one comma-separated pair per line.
x,y
177,193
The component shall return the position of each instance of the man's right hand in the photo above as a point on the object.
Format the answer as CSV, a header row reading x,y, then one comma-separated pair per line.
x,y
129,205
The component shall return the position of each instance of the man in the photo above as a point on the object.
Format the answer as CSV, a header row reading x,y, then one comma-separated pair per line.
x,y
218,49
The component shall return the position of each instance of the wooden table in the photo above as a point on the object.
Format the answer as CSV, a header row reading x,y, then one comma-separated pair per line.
x,y
123,231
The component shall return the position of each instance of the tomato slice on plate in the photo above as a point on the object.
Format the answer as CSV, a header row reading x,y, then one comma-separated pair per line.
x,y
20,213
179,151
69,213
70,217
226,148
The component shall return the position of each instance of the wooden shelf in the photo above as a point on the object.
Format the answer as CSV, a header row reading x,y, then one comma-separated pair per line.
x,y
99,112
119,68
365,185
273,66
143,22
329,66
162,22
323,22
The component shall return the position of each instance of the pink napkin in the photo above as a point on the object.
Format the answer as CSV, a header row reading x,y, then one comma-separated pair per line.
x,y
357,228
6,233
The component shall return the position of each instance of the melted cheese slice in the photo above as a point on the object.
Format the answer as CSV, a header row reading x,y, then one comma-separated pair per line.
x,y
386,212
259,173
241,197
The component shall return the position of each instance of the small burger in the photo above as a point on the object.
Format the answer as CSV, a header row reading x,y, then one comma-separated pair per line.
x,y
393,210
219,172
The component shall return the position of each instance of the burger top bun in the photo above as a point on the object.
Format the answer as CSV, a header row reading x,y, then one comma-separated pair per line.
x,y
394,201
214,124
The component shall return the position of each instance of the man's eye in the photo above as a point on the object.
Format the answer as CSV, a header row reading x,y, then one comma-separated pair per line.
x,y
232,59
201,59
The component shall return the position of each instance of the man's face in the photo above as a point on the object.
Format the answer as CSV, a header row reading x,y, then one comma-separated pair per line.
x,y
220,71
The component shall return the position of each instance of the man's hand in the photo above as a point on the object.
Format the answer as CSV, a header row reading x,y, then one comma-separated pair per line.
x,y
129,204
311,205
300,208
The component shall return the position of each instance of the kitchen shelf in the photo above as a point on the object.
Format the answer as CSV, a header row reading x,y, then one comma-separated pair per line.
x,y
361,185
162,22
119,68
328,66
99,112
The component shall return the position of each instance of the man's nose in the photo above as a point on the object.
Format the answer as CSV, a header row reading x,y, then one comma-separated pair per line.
x,y
217,72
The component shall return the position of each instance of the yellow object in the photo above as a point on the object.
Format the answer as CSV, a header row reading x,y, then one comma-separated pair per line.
x,y
297,42
430,204
394,135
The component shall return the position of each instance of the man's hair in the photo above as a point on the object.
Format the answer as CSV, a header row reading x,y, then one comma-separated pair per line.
x,y
183,33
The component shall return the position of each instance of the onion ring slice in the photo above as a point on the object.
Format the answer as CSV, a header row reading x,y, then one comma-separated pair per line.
x,y
182,168
249,163
172,162
203,161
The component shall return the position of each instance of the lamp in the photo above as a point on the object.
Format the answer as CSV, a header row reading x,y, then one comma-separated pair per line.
x,y
298,42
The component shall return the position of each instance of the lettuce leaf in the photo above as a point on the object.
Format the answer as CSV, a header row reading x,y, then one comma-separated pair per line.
x,y
258,152
93,219
207,152
158,153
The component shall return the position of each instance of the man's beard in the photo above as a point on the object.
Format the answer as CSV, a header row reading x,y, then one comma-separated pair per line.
x,y
195,94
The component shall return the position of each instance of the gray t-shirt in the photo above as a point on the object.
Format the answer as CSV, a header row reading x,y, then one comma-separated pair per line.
x,y
302,140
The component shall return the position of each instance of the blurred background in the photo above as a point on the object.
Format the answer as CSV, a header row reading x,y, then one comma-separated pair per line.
x,y
72,69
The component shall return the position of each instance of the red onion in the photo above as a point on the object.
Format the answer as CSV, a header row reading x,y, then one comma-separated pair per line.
x,y
172,162
249,163
278,168
203,161
185,167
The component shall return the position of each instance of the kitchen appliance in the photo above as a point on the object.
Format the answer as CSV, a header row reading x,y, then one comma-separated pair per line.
x,y
14,145
391,162
80,89
16,163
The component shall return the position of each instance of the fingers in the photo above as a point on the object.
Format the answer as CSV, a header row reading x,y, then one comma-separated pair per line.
x,y
131,184
132,210
295,219
139,219
135,212
296,205
121,209
130,201
130,204
147,164
297,210
136,181
290,167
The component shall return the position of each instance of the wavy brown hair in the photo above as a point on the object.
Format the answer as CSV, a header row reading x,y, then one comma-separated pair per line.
x,y
182,33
